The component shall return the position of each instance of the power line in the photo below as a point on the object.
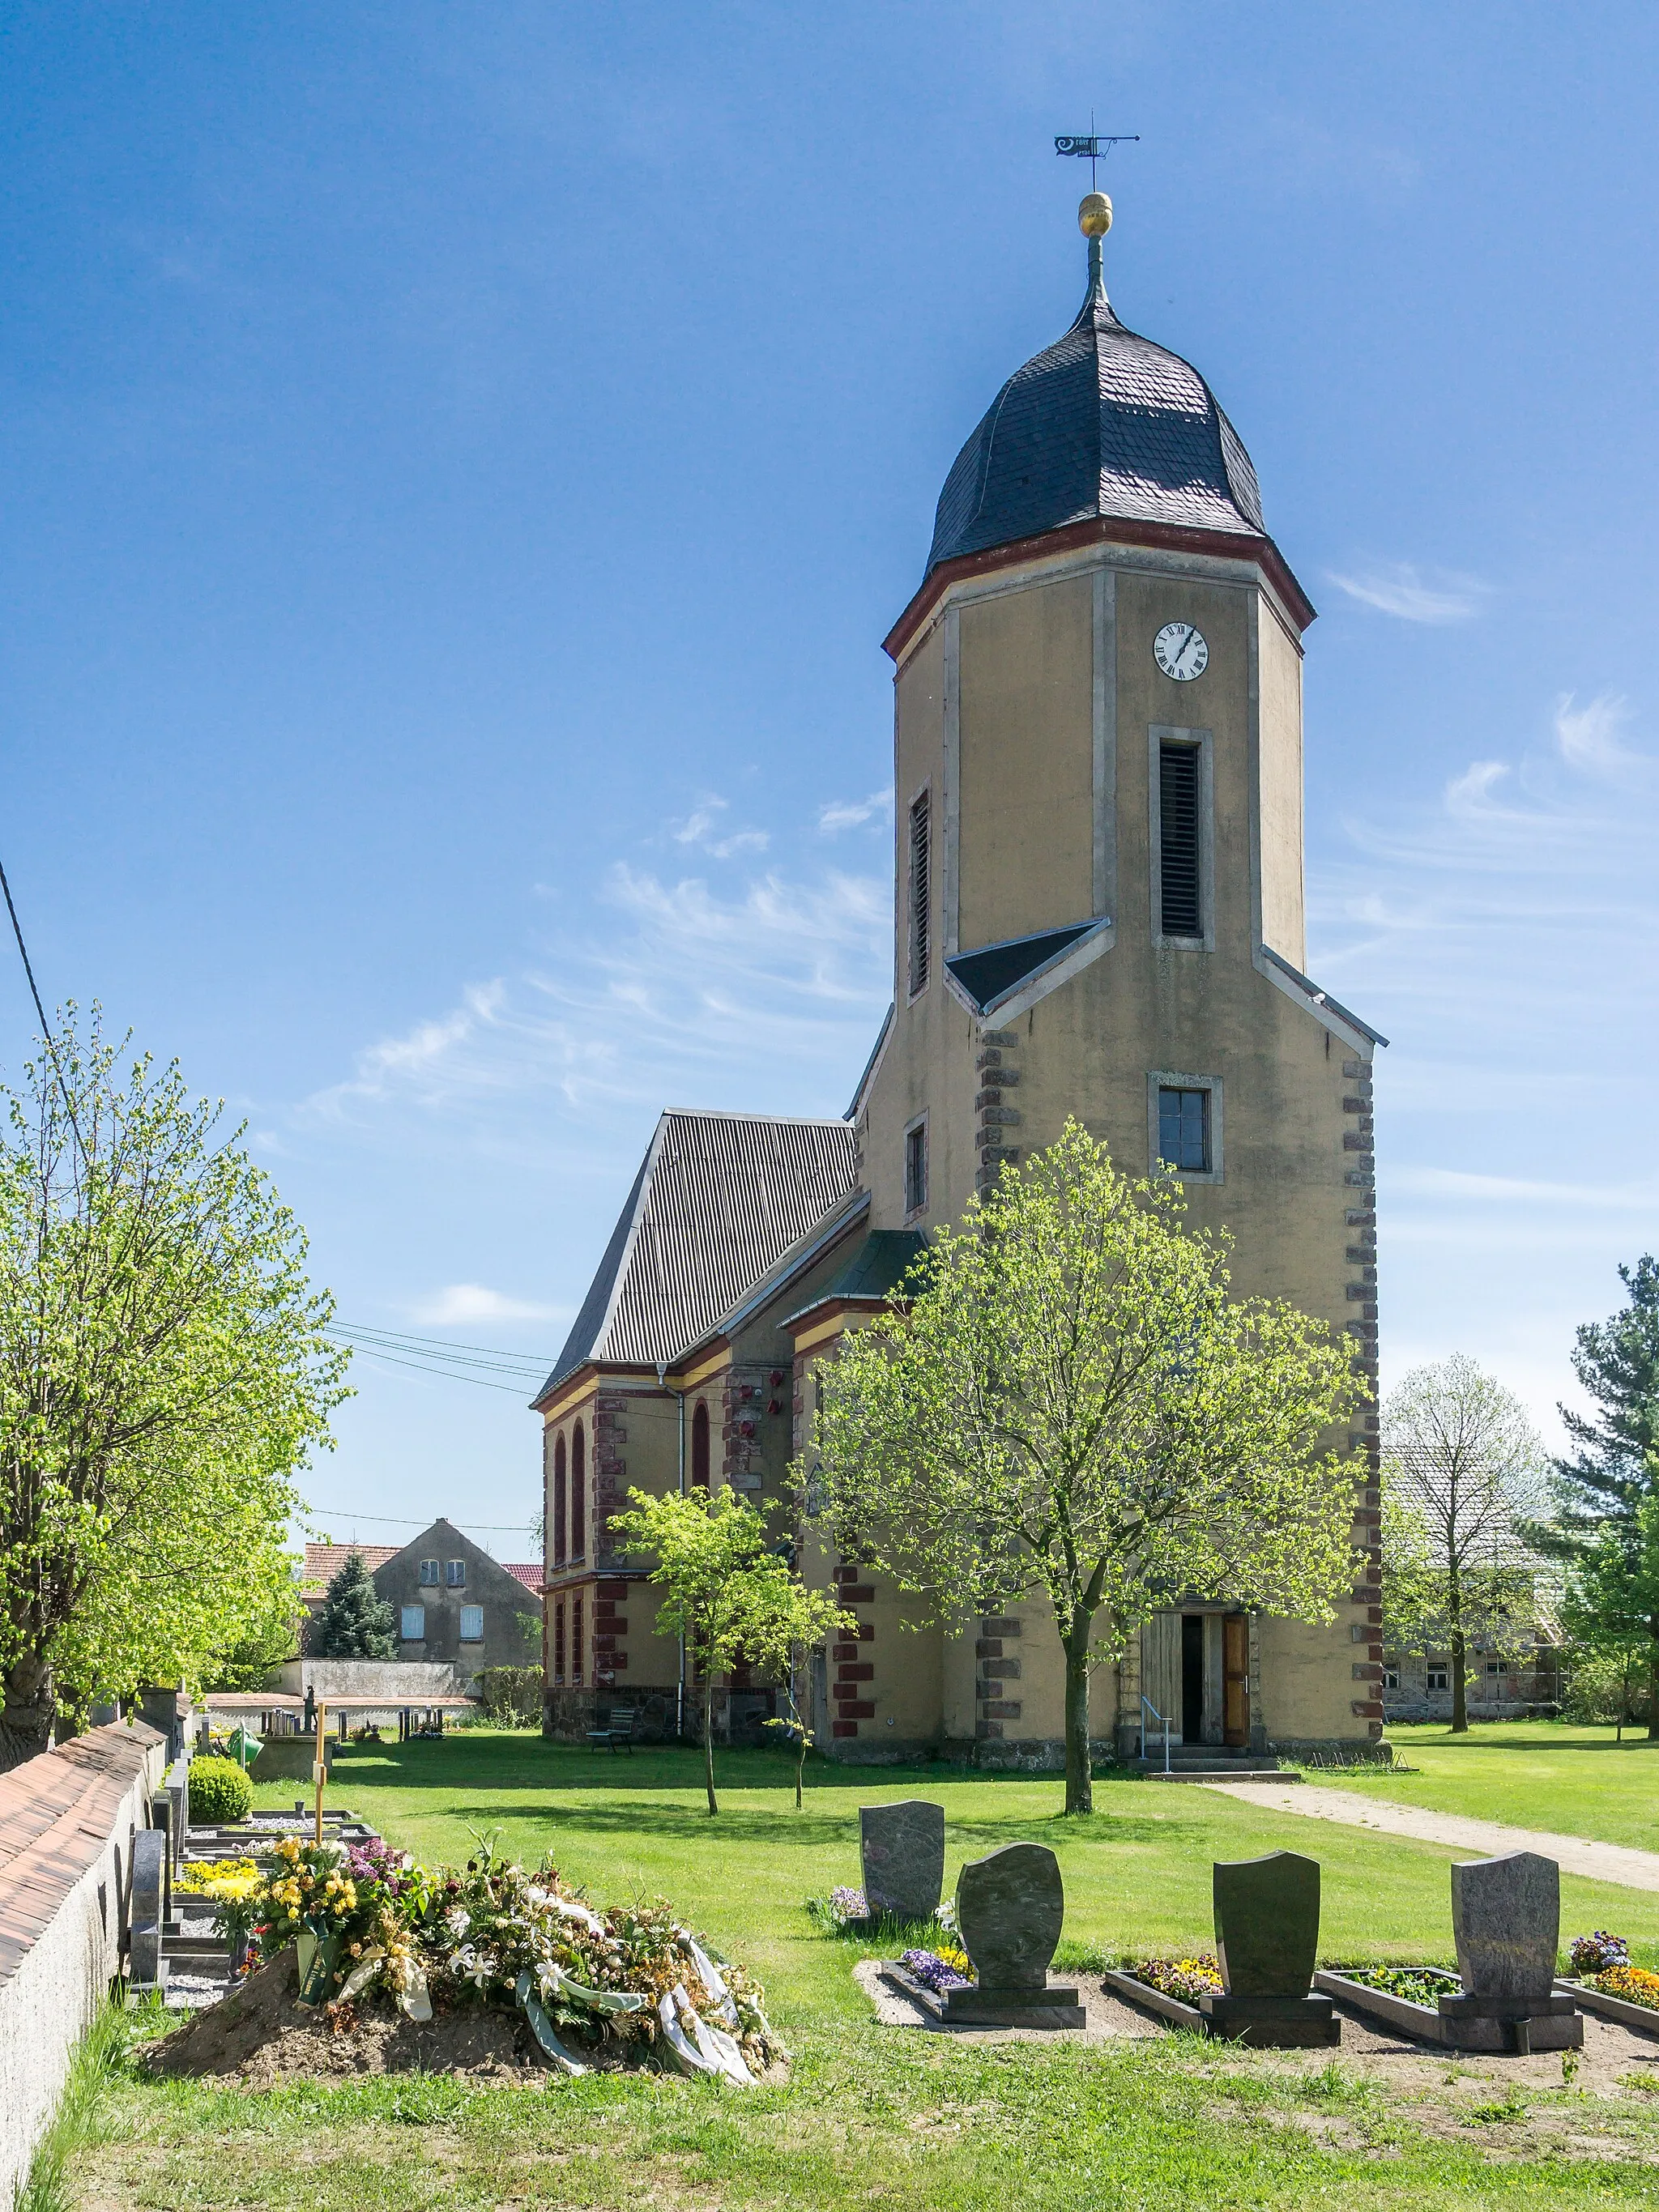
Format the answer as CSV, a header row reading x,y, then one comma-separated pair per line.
x,y
390,1344
440,1343
45,1026
446,1374
403,1521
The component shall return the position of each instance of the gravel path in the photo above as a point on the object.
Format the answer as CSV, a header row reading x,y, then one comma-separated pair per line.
x,y
1616,1862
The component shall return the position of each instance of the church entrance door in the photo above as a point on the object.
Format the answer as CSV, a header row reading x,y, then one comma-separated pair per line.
x,y
1236,1679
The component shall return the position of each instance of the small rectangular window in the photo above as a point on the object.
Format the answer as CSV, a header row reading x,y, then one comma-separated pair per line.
x,y
1178,787
472,1624
1498,1666
413,1630
428,1571
455,1573
1391,1677
918,910
1183,1129
1439,1678
916,1168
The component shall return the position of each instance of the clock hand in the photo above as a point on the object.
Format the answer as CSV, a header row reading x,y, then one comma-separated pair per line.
x,y
1192,632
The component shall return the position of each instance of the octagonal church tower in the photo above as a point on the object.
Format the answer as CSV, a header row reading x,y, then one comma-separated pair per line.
x,y
1099,912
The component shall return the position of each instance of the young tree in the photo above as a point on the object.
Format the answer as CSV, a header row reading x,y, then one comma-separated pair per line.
x,y
785,1629
1071,1402
1606,1491
1610,1605
354,1621
724,1589
164,1372
1462,1473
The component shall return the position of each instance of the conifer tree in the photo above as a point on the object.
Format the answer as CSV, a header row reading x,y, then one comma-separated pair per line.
x,y
354,1621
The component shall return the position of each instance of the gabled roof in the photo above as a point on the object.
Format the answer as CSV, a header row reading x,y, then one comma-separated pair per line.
x,y
324,1561
531,1576
718,1199
1102,423
992,973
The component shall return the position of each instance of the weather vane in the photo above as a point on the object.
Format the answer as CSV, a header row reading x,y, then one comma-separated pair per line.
x,y
1094,147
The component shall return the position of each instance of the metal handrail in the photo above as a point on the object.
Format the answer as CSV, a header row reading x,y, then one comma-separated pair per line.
x,y
1147,1706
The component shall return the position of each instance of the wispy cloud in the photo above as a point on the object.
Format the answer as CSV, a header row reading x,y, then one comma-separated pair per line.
x,y
1402,589
699,827
853,813
1591,737
460,1305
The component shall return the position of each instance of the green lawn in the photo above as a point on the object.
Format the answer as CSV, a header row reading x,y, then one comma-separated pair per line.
x,y
1536,1774
885,2118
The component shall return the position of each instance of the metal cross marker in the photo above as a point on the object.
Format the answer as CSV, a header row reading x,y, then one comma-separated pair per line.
x,y
1094,147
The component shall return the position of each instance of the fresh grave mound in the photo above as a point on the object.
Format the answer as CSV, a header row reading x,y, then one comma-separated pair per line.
x,y
373,1963
260,2035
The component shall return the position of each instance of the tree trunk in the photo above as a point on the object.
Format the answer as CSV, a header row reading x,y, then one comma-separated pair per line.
x,y
800,1775
1080,1786
708,1739
28,1705
1460,1719
1653,1680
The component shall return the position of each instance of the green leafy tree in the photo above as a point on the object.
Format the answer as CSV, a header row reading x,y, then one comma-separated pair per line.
x,y
784,1632
1606,1490
354,1621
1463,1473
1610,1605
723,1588
257,1648
164,1374
1071,1403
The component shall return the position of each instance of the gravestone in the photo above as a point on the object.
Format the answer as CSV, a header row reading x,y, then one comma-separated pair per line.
x,y
1267,1941
161,1811
1011,1907
901,1849
1506,1924
178,1790
146,1965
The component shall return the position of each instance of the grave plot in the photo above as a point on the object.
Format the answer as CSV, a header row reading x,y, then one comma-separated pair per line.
x,y
1506,1927
1604,1982
1009,1908
1257,1987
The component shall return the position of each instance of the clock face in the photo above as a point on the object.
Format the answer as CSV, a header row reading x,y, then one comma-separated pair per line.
x,y
1180,651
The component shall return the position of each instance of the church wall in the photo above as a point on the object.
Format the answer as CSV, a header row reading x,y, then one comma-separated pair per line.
x,y
1278,662
1026,841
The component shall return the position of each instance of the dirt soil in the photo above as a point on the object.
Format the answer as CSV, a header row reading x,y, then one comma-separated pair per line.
x,y
258,2036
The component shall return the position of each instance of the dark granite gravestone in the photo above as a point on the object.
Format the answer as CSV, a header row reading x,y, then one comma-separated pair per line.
x,y
1267,1941
1506,1923
146,1965
1010,1909
902,1848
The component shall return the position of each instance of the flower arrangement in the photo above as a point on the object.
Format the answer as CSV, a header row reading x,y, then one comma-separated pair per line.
x,y
221,1880
839,1910
1595,1954
935,1971
1634,1984
1188,1979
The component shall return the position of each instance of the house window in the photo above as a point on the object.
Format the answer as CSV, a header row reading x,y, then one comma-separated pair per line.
x,y
1391,1677
916,1168
919,859
455,1573
1498,1666
472,1624
558,1643
576,1640
578,1497
413,1630
1439,1678
699,1447
559,1551
428,1571
1183,1129
1179,880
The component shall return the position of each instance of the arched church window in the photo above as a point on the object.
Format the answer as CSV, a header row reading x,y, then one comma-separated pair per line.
x,y
578,1497
559,1553
699,1448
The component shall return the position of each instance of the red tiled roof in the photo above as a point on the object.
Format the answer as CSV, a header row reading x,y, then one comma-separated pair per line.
x,y
325,1561
531,1577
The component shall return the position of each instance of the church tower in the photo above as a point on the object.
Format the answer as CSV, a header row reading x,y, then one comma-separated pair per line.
x,y
1099,912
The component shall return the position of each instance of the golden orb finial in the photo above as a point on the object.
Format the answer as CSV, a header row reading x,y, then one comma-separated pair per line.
x,y
1094,215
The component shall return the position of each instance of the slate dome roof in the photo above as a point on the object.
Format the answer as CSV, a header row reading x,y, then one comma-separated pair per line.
x,y
1103,422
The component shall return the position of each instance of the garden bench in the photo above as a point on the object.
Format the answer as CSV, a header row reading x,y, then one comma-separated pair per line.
x,y
621,1730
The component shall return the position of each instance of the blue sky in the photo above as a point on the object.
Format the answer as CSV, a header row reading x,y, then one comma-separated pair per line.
x,y
460,462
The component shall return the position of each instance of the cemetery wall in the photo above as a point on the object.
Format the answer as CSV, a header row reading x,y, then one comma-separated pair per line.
x,y
399,1682
67,1822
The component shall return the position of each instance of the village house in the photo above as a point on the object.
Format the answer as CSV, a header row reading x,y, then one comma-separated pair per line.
x,y
1098,912
452,1602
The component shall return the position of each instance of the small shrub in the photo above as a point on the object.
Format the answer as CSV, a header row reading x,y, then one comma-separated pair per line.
x,y
219,1791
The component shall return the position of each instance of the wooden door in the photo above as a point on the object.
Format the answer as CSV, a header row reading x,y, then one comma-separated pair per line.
x,y
1236,1679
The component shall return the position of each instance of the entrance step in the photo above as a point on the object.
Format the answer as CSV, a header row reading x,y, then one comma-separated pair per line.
x,y
1219,1773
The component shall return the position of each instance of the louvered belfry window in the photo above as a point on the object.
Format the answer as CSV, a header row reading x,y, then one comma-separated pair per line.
x,y
1177,813
919,860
